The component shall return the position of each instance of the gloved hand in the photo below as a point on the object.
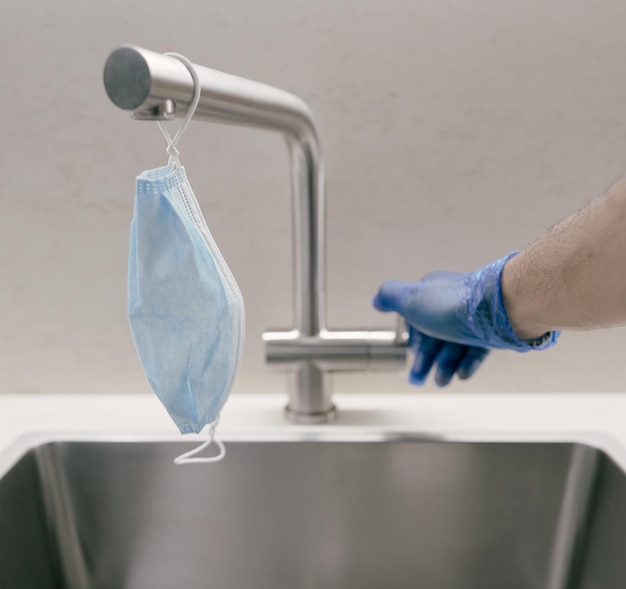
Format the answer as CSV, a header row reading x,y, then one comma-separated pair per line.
x,y
454,320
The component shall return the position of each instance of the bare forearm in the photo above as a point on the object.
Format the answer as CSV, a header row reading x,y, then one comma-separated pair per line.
x,y
574,276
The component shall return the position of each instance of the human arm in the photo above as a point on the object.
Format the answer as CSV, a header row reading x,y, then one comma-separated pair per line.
x,y
573,276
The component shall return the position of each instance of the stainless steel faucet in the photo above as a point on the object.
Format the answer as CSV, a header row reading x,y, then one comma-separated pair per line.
x,y
155,87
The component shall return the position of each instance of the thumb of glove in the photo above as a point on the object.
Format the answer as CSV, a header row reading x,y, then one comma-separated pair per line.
x,y
391,296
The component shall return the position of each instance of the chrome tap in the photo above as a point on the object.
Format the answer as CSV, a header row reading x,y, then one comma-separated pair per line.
x,y
156,87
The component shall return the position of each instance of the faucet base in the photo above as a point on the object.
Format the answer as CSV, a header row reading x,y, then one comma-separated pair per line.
x,y
311,418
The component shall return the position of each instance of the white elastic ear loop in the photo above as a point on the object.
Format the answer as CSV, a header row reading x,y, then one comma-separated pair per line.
x,y
186,458
172,142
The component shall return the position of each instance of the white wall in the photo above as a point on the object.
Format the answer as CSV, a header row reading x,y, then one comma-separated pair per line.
x,y
453,131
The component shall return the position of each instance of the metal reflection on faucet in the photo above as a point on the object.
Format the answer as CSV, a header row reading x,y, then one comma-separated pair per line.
x,y
155,86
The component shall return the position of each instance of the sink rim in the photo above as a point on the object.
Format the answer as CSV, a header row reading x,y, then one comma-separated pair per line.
x,y
600,441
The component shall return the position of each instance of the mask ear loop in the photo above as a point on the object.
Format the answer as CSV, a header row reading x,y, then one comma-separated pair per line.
x,y
187,457
171,150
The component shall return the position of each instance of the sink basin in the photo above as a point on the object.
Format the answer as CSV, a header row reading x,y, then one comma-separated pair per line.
x,y
296,513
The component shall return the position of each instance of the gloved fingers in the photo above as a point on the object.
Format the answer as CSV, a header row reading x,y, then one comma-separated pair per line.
x,y
448,361
390,296
451,358
472,360
426,349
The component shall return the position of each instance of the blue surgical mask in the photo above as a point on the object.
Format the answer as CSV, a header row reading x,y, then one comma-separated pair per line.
x,y
184,307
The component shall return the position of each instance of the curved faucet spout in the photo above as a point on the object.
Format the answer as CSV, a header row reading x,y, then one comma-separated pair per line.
x,y
147,83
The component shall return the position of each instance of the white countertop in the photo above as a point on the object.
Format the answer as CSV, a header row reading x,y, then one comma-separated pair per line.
x,y
598,419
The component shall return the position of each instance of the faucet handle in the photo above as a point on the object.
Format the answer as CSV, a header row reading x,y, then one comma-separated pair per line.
x,y
402,331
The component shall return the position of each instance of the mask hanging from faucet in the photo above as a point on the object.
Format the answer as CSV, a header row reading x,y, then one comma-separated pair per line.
x,y
184,307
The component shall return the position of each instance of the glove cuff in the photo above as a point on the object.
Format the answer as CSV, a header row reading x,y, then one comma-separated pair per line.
x,y
491,315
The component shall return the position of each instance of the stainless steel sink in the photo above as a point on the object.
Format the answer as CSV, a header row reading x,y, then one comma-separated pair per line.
x,y
299,513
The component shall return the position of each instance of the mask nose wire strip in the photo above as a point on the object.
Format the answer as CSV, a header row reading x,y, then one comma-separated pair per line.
x,y
188,457
171,150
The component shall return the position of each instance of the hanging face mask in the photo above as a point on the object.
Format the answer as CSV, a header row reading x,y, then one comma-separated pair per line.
x,y
184,307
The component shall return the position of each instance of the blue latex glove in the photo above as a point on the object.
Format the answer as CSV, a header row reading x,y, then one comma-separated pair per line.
x,y
454,320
